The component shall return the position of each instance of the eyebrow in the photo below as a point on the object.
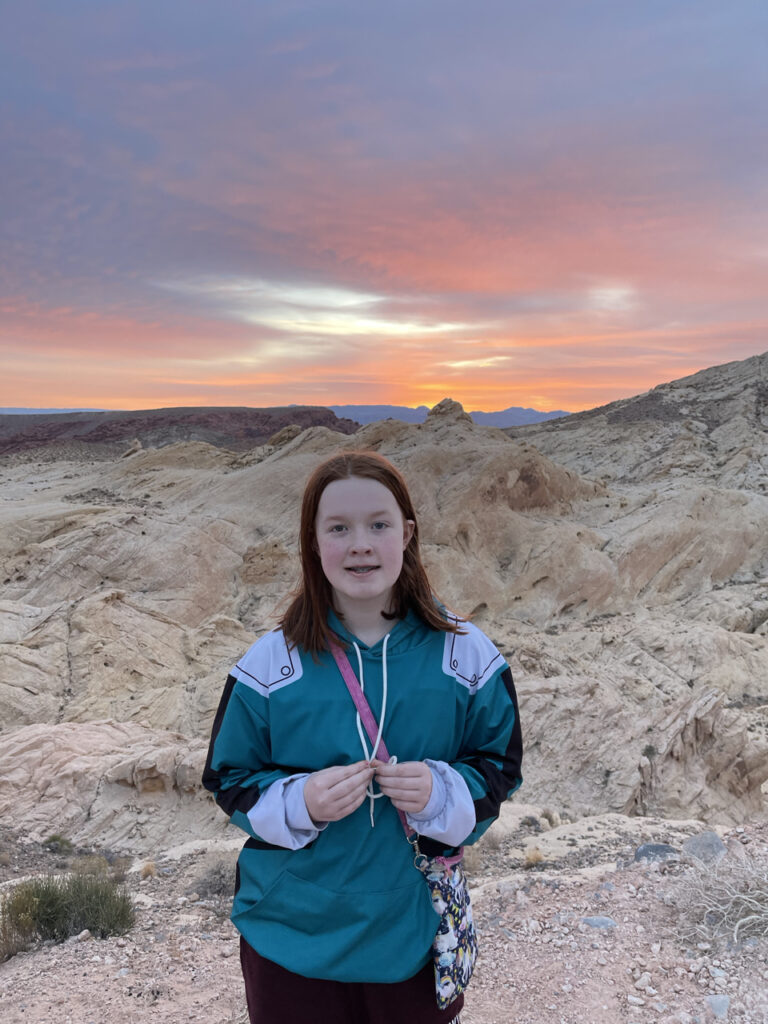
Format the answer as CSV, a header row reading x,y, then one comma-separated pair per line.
x,y
373,515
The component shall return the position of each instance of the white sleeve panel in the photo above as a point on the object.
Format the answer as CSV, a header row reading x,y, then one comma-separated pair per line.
x,y
280,815
449,816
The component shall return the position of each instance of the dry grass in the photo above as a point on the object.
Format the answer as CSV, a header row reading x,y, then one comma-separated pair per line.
x,y
120,867
724,903
475,855
533,856
92,864
217,882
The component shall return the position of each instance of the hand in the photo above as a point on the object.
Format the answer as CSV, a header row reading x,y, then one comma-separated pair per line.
x,y
333,793
408,785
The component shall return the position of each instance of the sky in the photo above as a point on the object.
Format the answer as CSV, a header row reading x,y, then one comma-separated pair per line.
x,y
551,204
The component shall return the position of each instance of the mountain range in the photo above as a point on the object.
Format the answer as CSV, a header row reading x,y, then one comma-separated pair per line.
x,y
515,416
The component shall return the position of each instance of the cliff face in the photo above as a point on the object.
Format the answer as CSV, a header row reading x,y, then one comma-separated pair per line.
x,y
621,565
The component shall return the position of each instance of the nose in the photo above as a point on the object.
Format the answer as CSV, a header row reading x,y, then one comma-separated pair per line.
x,y
360,540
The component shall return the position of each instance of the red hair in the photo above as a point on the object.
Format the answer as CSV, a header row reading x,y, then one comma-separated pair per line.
x,y
305,621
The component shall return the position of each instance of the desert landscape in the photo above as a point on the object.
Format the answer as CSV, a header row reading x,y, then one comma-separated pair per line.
x,y
617,557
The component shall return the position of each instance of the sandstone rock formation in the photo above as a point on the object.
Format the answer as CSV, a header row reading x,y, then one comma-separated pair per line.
x,y
106,783
618,558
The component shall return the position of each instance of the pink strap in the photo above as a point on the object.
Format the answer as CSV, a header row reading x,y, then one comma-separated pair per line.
x,y
372,728
363,707
357,695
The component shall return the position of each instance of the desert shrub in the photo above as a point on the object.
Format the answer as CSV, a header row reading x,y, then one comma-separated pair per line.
x,y
148,870
218,882
119,866
58,844
90,864
474,862
724,903
58,907
533,856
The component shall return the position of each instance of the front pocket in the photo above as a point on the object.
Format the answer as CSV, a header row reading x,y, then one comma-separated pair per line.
x,y
383,936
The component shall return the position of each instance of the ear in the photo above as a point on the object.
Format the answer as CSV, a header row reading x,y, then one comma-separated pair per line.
x,y
408,527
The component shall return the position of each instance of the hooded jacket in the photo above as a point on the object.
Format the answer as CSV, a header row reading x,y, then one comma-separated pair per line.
x,y
344,901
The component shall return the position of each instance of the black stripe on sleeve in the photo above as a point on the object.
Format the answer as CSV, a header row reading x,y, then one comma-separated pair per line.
x,y
236,798
500,782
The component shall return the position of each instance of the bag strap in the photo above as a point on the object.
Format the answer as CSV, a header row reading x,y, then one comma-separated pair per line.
x,y
366,715
357,695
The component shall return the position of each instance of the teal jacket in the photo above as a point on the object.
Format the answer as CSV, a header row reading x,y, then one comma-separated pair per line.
x,y
344,901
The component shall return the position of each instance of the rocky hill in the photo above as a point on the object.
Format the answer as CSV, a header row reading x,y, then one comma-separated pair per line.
x,y
710,427
105,434
620,562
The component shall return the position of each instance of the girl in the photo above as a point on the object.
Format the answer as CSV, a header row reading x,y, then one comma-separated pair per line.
x,y
336,922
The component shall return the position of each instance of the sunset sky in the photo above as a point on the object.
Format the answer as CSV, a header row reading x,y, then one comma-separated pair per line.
x,y
243,202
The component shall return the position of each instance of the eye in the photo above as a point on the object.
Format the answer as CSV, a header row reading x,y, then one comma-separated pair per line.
x,y
380,526
337,528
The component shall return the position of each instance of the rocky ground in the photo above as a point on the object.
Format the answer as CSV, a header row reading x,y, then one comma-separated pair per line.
x,y
618,559
573,930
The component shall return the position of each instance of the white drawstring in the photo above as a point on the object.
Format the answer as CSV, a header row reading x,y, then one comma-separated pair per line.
x,y
360,731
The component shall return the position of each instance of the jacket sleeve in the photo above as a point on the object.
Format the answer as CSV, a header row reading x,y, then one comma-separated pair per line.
x,y
487,767
449,814
263,799
491,753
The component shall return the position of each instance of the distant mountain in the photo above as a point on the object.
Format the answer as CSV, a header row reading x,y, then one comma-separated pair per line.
x,y
41,412
370,413
236,429
515,416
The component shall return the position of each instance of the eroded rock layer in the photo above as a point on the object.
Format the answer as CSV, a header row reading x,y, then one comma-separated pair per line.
x,y
619,559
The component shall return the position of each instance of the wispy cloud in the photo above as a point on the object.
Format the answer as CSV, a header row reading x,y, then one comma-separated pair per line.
x,y
285,201
317,310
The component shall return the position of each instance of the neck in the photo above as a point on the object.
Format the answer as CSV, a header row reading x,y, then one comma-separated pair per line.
x,y
364,622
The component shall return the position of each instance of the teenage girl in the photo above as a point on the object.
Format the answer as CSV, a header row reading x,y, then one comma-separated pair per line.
x,y
336,922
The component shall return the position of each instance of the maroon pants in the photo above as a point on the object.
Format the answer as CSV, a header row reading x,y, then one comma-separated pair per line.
x,y
277,996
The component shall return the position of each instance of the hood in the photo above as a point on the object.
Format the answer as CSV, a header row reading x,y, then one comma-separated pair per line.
x,y
404,635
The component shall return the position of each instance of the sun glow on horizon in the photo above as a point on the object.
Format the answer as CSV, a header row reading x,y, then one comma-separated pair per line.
x,y
234,213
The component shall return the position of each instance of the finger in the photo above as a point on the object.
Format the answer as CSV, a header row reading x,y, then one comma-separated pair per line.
x,y
337,783
349,789
346,771
351,783
344,807
409,806
401,787
410,769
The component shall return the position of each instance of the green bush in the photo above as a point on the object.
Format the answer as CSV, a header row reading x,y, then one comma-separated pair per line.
x,y
58,907
58,844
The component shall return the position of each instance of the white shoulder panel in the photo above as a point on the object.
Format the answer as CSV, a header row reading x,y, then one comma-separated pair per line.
x,y
269,664
471,659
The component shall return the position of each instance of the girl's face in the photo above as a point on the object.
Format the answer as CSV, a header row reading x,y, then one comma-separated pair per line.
x,y
361,536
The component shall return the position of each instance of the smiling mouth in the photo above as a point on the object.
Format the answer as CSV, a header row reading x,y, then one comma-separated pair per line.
x,y
361,570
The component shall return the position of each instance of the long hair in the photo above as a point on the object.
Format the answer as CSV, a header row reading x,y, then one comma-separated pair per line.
x,y
305,621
